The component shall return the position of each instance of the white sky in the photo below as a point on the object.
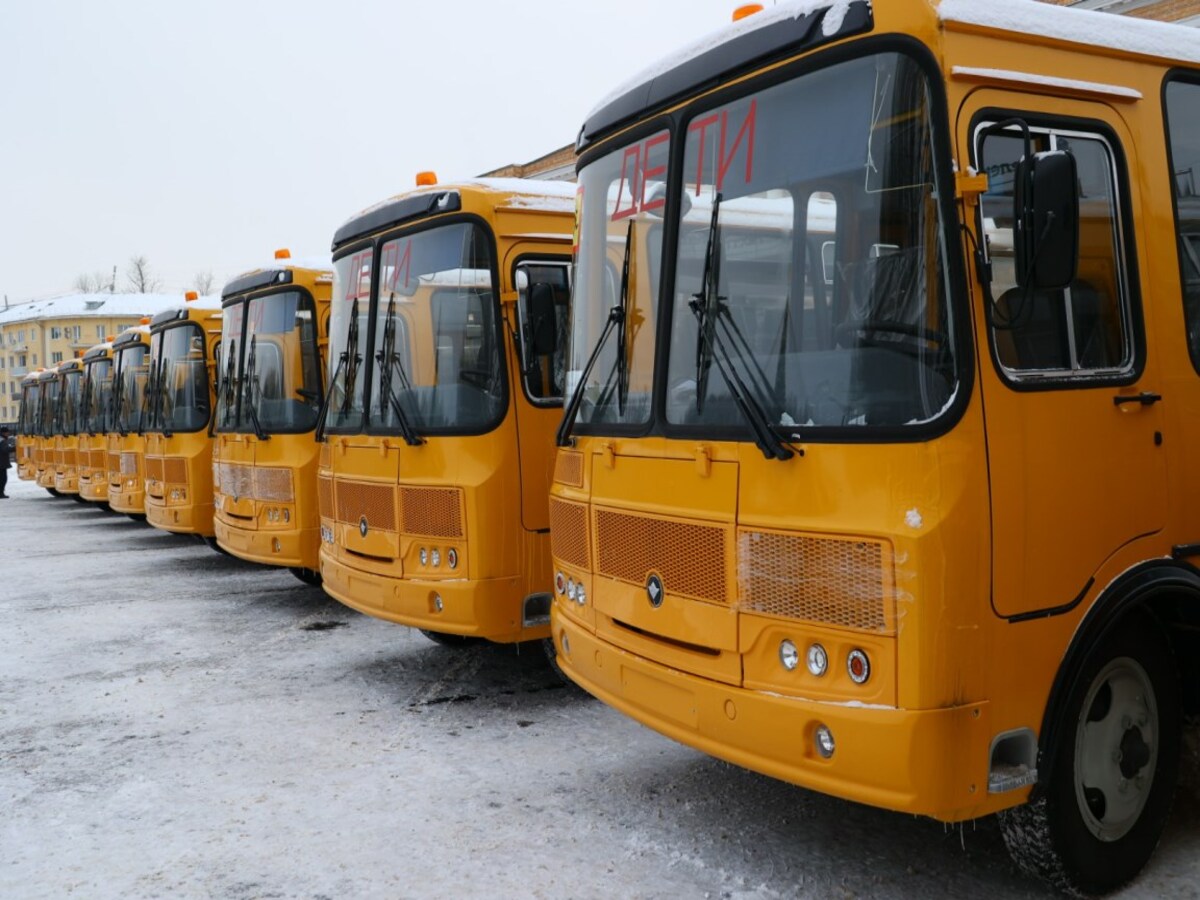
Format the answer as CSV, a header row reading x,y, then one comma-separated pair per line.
x,y
206,134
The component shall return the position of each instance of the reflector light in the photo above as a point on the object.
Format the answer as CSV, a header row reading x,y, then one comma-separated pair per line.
x,y
858,666
789,656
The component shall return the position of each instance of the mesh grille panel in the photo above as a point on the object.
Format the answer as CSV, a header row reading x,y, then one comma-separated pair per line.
x,y
114,463
568,532
375,501
690,558
273,484
433,512
154,468
325,497
840,582
97,458
175,470
568,468
236,481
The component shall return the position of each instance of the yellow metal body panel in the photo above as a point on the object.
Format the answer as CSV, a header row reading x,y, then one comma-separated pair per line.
x,y
1033,499
483,496
248,508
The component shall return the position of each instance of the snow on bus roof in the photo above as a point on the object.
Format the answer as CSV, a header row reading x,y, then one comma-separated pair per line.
x,y
551,192
792,9
1080,26
317,263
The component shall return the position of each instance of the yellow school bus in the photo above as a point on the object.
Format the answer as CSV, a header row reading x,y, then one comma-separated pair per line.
x,y
28,427
66,430
274,328
446,344
95,407
125,439
877,471
49,392
180,394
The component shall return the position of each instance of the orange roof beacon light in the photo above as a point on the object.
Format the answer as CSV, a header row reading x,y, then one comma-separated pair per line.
x,y
426,179
283,253
144,320
746,10
190,296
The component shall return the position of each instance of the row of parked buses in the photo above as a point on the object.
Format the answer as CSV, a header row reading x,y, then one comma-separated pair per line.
x,y
878,326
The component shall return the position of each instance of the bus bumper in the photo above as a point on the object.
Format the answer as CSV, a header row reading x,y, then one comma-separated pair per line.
x,y
927,762
180,519
128,502
490,609
297,549
95,490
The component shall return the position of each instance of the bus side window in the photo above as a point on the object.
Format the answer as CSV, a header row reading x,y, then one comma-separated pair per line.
x,y
1183,125
543,292
1085,327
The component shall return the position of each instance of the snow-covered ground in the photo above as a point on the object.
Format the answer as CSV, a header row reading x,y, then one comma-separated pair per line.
x,y
175,723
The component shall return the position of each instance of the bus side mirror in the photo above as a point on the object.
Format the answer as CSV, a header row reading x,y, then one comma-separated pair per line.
x,y
1046,218
543,324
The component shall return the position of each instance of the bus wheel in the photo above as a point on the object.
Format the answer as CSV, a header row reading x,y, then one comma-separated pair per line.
x,y
308,576
450,640
79,498
1113,775
212,542
53,492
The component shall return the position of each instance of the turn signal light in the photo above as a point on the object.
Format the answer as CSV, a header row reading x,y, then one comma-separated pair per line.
x,y
858,666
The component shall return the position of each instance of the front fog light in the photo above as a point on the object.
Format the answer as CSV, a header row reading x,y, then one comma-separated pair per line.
x,y
858,666
789,656
452,558
818,660
571,589
435,557
560,582
823,741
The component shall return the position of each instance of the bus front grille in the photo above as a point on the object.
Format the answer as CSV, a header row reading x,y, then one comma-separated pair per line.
x,y
568,533
689,557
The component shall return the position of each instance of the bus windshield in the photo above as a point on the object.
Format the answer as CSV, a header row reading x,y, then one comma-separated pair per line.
x,y
809,282
97,394
435,364
29,408
809,265
229,372
68,419
49,410
280,367
128,384
179,401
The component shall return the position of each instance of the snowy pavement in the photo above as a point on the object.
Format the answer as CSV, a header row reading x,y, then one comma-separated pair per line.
x,y
176,723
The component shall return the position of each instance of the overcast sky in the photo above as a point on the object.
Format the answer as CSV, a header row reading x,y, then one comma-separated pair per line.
x,y
206,134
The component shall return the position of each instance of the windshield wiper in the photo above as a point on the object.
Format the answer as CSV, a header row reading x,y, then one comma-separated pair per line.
x,y
343,363
248,382
144,410
353,359
617,317
708,306
389,361
228,386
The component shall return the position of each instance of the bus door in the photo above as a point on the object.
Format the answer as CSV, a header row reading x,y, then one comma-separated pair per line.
x,y
543,295
1072,400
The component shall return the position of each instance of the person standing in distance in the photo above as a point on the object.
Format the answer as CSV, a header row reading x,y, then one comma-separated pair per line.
x,y
5,461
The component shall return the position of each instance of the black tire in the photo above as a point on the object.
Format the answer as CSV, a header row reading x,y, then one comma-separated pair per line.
x,y
53,492
308,576
212,543
1114,769
457,641
79,498
137,517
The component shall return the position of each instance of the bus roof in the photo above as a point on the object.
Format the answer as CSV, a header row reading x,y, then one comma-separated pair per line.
x,y
278,272
182,307
796,25
554,196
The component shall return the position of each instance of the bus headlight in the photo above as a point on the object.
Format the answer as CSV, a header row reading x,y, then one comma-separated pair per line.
x,y
424,556
818,660
435,557
789,656
571,589
580,594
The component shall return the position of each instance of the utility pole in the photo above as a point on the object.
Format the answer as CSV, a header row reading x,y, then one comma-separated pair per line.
x,y
112,287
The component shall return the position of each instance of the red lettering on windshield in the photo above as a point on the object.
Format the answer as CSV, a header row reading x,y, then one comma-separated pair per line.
x,y
701,125
636,172
358,276
747,132
649,174
633,153
396,262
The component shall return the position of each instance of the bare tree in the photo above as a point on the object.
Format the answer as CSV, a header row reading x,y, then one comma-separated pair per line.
x,y
92,283
141,279
203,282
